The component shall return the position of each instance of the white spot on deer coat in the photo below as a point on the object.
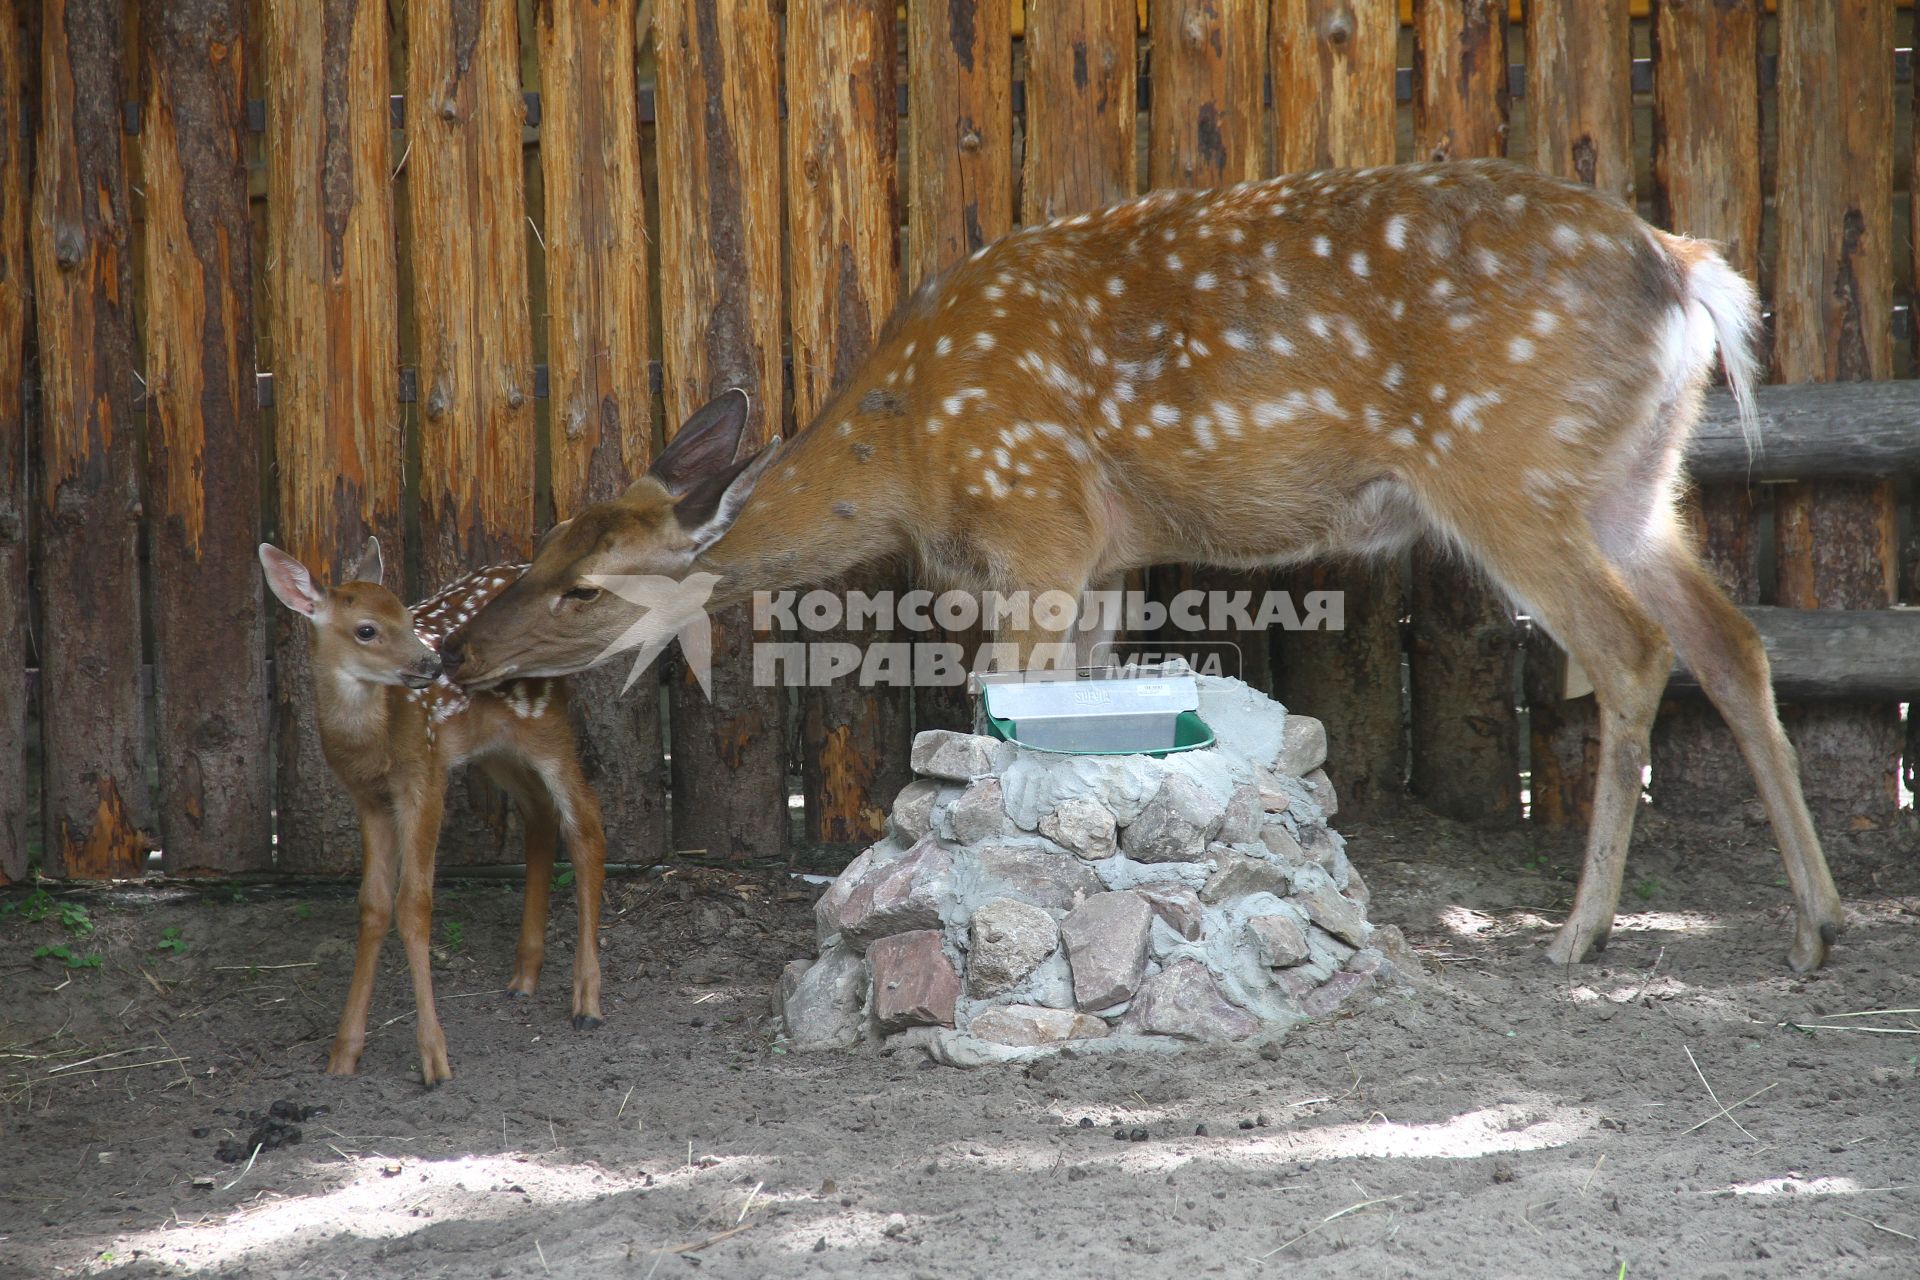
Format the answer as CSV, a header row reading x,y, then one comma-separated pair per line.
x,y
1519,349
1358,264
1322,246
1396,232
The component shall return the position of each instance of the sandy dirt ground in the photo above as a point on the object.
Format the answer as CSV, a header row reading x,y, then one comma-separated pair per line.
x,y
1503,1118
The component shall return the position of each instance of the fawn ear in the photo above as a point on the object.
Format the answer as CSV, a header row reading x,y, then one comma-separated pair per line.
x,y
711,506
705,444
291,583
370,567
549,537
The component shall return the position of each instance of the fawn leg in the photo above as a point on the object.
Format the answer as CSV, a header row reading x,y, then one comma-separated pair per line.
x,y
587,846
378,855
419,837
543,839
1724,653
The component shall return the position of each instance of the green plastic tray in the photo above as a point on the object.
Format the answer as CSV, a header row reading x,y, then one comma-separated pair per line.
x,y
1190,733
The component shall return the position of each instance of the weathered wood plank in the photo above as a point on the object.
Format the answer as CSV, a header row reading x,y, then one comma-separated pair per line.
x,y
1811,431
203,452
600,413
1835,654
721,305
1465,731
92,716
332,320
16,302
1333,68
1580,100
1080,107
1579,57
468,213
1833,289
1333,72
843,216
960,167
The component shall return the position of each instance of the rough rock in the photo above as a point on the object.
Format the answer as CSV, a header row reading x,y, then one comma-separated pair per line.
x,y
825,1008
1357,888
1034,873
1273,798
1303,747
960,757
1278,939
789,979
896,896
1334,992
912,815
1239,874
1178,905
914,984
1007,941
1243,816
1280,842
1082,824
1106,941
1176,825
1326,907
1025,1026
1120,784
1393,944
1322,787
979,813
1184,1001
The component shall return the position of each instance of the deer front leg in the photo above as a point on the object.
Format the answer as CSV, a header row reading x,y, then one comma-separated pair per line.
x,y
543,836
419,837
1036,634
378,855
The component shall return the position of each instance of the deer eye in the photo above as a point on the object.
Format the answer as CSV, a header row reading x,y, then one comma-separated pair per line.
x,y
365,632
581,593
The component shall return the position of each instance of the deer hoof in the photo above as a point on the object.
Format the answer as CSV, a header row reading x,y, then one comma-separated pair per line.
x,y
1810,945
515,993
1572,946
585,1022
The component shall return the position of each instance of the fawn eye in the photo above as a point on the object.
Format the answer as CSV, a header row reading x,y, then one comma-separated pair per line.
x,y
581,593
365,632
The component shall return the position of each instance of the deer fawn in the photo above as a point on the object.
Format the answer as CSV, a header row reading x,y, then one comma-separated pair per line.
x,y
392,725
1321,364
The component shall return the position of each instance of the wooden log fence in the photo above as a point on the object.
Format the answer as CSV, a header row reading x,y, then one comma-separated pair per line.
x,y
16,313
435,223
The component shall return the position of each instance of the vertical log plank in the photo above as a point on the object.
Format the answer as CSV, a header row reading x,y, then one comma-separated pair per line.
x,y
960,142
203,453
92,715
844,250
1833,292
468,210
1579,56
1206,131
1465,730
1580,100
1333,95
600,408
1706,173
1080,107
720,236
16,54
1333,90
333,293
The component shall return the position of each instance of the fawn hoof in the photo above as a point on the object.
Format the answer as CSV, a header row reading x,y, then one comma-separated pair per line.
x,y
1572,946
585,1021
515,993
1811,943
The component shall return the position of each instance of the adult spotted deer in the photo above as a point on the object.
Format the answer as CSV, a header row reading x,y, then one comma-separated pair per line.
x,y
1316,365
392,725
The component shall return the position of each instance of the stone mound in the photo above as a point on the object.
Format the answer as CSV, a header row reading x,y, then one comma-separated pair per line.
x,y
1023,901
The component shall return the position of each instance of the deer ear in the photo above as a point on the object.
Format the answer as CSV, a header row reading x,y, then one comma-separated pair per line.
x,y
710,507
370,567
704,445
289,580
549,537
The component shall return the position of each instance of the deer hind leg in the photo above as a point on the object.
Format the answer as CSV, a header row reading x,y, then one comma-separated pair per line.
x,y
543,840
1555,565
379,856
579,813
1722,649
